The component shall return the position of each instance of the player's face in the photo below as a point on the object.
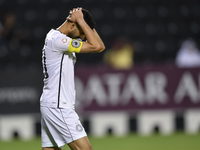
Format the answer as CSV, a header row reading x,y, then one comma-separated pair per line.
x,y
80,33
77,33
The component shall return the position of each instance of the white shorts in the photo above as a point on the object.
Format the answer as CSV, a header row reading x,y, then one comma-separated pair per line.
x,y
60,127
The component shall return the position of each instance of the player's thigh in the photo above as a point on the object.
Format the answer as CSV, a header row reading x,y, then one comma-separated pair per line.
x,y
51,148
80,144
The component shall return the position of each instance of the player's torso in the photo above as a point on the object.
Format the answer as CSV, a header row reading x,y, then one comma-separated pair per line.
x,y
58,68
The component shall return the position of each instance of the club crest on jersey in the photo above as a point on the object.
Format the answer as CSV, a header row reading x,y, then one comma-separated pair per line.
x,y
79,128
76,43
64,40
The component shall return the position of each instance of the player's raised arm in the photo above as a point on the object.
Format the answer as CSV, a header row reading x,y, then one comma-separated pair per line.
x,y
94,42
99,39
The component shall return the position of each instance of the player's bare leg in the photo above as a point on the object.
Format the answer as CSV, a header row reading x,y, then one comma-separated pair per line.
x,y
80,144
51,148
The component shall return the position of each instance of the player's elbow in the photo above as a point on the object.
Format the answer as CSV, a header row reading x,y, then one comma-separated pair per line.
x,y
100,48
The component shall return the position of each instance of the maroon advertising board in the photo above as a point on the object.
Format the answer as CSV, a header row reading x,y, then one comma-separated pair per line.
x,y
141,88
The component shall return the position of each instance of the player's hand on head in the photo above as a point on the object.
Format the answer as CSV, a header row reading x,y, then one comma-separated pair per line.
x,y
75,14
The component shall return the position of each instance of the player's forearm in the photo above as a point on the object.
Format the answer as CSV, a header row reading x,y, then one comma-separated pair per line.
x,y
92,39
99,39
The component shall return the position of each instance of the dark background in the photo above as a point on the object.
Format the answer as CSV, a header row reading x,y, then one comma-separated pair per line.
x,y
156,28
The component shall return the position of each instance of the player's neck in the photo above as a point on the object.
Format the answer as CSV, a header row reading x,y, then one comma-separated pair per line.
x,y
64,28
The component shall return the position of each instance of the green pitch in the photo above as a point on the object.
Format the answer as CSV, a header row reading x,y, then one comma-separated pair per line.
x,y
179,141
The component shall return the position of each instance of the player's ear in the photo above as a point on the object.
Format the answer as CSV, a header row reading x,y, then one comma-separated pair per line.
x,y
72,25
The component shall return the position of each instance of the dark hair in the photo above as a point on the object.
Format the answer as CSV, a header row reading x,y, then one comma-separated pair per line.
x,y
88,18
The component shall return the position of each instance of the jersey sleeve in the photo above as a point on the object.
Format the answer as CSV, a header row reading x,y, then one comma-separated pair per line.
x,y
64,44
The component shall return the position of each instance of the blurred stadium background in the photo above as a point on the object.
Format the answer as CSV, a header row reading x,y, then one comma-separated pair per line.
x,y
152,93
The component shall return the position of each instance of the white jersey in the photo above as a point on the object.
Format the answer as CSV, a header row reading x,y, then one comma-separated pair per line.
x,y
58,69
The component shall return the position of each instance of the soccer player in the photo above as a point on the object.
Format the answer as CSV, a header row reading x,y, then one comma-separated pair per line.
x,y
60,123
